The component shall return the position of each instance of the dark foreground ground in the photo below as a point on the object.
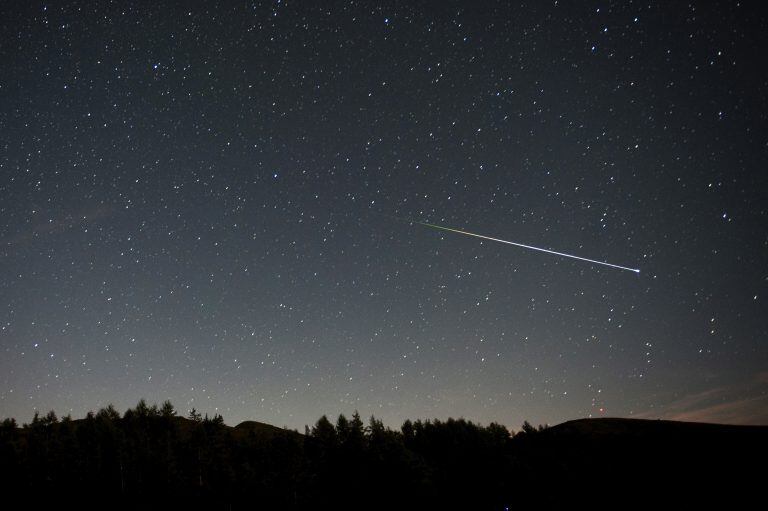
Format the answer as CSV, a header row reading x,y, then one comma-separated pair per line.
x,y
148,459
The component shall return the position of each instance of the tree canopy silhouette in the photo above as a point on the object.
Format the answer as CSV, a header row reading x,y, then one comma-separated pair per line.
x,y
150,457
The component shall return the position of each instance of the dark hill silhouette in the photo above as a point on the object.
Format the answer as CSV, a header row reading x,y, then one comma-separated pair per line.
x,y
645,427
261,429
149,458
653,461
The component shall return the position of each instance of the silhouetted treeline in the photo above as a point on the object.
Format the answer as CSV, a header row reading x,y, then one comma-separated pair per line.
x,y
151,458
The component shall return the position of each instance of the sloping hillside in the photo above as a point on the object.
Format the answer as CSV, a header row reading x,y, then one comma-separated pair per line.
x,y
644,461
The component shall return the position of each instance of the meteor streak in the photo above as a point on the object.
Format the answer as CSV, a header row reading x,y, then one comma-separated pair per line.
x,y
528,247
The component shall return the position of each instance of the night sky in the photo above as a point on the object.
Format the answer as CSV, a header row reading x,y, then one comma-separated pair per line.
x,y
217,203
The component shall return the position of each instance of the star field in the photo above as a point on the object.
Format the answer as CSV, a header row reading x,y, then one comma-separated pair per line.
x,y
202,202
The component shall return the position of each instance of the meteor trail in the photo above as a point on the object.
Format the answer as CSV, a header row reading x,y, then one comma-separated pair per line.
x,y
528,246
